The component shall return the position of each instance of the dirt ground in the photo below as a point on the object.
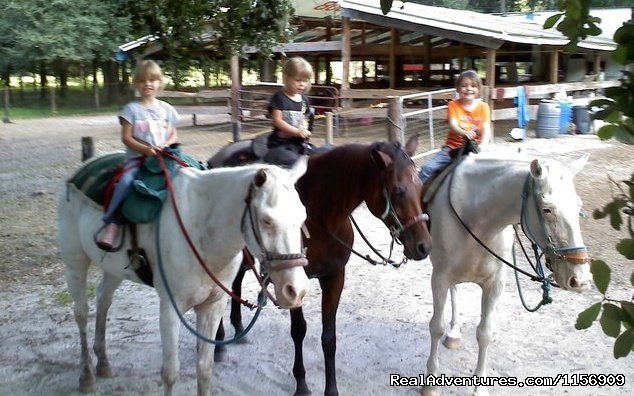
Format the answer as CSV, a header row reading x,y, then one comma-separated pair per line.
x,y
382,321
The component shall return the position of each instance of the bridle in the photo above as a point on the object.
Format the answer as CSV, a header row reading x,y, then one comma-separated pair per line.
x,y
269,261
287,260
570,254
395,232
574,254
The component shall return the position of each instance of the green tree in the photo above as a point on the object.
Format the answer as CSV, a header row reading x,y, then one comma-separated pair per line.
x,y
223,27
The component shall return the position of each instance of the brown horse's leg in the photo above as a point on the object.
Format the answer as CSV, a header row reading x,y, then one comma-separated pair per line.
x,y
220,352
331,293
298,332
236,315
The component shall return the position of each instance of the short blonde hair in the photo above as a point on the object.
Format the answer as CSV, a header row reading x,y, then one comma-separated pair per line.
x,y
298,67
148,70
471,75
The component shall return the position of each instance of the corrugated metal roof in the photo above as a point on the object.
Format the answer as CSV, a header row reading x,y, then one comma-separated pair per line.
x,y
486,30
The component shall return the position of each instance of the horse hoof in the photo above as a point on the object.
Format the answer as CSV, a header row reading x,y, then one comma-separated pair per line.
x,y
243,340
453,343
105,371
220,356
302,391
87,386
425,391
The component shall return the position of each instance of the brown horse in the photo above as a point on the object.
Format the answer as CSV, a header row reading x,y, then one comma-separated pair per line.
x,y
384,177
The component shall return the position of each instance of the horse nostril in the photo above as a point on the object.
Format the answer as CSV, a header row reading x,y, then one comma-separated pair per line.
x,y
422,250
290,293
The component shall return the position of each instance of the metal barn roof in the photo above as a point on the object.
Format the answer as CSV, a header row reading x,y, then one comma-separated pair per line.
x,y
486,30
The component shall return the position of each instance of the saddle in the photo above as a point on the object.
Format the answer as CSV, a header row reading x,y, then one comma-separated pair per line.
x,y
458,155
95,180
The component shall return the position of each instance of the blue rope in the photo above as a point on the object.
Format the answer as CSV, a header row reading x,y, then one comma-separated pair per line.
x,y
546,299
261,302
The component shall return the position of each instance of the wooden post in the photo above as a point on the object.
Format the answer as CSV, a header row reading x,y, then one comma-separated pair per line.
x,y
490,80
236,81
345,60
329,124
394,120
554,66
394,42
53,102
87,148
6,119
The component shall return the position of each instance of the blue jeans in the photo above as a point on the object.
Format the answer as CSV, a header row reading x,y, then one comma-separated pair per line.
x,y
435,164
121,190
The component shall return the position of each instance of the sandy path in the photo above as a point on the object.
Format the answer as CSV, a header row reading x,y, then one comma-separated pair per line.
x,y
382,321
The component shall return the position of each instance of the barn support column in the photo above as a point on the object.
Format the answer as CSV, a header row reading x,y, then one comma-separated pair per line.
x,y
394,42
236,82
427,56
490,82
345,60
554,66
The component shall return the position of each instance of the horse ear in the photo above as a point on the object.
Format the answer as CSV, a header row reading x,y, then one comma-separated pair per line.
x,y
411,145
380,158
536,169
578,164
299,167
260,178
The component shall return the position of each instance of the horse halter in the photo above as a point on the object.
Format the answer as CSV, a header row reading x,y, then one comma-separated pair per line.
x,y
396,232
570,254
269,261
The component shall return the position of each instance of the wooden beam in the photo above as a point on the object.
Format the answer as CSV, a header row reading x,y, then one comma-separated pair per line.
x,y
345,56
394,41
554,66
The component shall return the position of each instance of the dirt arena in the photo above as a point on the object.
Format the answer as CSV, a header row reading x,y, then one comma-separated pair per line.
x,y
382,321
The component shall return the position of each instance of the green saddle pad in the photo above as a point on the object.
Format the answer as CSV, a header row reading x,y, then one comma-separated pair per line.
x,y
93,177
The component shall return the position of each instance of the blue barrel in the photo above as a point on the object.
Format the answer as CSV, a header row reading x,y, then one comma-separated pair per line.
x,y
581,119
548,116
566,116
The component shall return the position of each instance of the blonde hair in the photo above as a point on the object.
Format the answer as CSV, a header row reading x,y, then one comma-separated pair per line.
x,y
298,67
148,70
470,75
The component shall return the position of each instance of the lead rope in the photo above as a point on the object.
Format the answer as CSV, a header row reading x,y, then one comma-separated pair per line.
x,y
261,296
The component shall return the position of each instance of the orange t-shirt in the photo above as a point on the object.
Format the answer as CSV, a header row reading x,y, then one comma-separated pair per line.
x,y
467,120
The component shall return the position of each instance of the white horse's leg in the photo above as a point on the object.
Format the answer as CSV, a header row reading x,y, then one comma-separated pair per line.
x,y
76,275
454,335
436,326
170,327
108,285
491,292
208,316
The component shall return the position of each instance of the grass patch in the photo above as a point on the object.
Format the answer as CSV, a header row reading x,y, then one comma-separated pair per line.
x,y
64,298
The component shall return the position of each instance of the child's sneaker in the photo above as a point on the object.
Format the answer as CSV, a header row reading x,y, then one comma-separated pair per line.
x,y
108,237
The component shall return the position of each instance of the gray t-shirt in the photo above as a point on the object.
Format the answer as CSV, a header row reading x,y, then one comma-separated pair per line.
x,y
150,124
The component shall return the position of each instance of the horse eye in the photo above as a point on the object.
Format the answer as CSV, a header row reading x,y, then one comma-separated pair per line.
x,y
267,222
399,191
546,211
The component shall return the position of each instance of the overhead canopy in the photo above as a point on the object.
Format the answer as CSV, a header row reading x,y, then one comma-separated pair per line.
x,y
484,30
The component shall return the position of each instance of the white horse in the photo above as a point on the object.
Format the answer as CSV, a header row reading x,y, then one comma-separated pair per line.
x,y
222,210
489,195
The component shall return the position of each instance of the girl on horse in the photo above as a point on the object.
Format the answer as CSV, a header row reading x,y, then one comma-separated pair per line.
x,y
469,118
147,125
289,111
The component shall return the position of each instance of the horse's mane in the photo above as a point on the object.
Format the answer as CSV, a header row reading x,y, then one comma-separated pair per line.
x,y
339,175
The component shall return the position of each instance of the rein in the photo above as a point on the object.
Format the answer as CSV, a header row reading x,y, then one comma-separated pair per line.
x,y
395,232
201,261
571,253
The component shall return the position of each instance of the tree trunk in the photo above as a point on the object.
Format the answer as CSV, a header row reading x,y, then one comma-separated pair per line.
x,y
43,80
